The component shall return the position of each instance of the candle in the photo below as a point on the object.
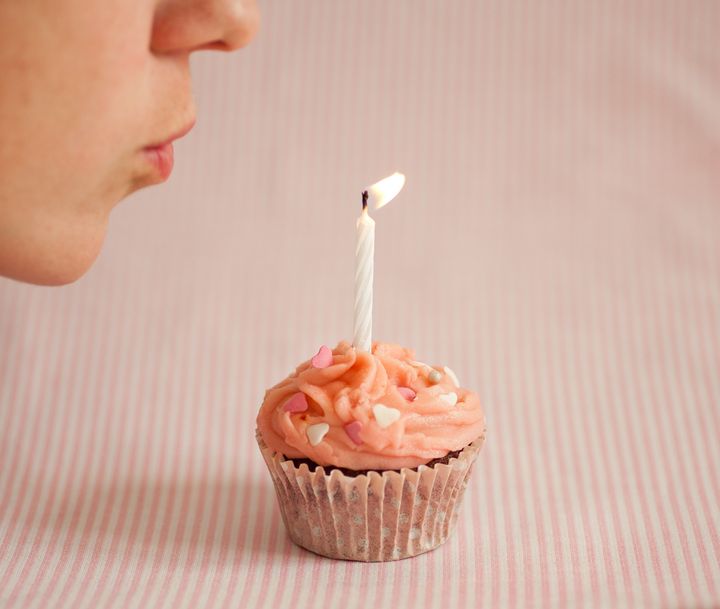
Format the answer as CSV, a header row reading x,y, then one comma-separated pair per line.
x,y
364,254
378,194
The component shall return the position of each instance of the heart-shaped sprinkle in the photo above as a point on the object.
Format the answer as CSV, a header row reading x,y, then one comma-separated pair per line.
x,y
353,431
323,358
297,403
435,376
407,393
384,415
316,433
449,398
452,375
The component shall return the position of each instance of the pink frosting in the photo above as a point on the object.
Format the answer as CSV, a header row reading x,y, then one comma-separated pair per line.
x,y
344,395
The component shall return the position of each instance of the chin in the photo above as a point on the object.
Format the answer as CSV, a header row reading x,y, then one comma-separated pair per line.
x,y
54,259
62,274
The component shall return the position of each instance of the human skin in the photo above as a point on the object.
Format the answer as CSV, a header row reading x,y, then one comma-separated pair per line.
x,y
88,88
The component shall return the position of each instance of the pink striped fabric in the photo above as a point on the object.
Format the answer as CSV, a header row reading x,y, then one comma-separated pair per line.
x,y
556,244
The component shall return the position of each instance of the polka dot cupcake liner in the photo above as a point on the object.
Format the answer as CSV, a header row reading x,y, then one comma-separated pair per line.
x,y
378,516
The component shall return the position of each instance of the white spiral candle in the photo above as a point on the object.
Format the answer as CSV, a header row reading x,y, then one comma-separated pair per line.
x,y
380,194
364,253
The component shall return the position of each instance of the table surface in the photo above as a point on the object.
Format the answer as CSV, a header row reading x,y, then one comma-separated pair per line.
x,y
556,244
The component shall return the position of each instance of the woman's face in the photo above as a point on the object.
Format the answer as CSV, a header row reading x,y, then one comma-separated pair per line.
x,y
92,94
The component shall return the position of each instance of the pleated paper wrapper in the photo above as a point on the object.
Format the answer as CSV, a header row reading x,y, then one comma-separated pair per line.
x,y
370,517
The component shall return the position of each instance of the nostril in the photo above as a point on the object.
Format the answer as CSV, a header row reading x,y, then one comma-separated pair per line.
x,y
216,45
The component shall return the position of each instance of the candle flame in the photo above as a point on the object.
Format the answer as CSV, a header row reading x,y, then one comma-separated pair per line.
x,y
384,191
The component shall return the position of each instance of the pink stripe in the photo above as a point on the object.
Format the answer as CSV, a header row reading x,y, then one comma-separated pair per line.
x,y
214,505
11,450
655,482
520,454
705,376
633,401
633,398
168,440
253,536
559,359
149,420
8,355
196,516
180,499
154,416
493,542
33,490
234,474
556,398
547,540
479,542
80,464
464,527
48,521
673,348
616,441
117,386
9,459
582,446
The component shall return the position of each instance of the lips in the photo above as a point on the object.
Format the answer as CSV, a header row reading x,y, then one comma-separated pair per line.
x,y
161,155
161,158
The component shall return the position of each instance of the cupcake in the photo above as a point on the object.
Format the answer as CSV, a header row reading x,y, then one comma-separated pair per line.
x,y
369,453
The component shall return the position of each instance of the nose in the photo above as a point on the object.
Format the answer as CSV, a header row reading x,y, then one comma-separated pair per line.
x,y
195,25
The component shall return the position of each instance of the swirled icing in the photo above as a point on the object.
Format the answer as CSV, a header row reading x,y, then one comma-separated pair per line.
x,y
346,394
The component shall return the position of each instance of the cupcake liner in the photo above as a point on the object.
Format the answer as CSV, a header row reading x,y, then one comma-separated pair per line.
x,y
378,516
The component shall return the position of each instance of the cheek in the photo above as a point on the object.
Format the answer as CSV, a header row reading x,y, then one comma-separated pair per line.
x,y
79,94
113,68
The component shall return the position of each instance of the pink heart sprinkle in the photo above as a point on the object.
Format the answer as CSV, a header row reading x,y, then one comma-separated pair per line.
x,y
407,393
323,358
297,403
353,431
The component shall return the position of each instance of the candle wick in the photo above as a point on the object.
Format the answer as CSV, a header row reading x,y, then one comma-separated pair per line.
x,y
365,196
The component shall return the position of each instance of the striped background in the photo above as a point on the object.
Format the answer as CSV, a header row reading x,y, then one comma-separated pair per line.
x,y
556,244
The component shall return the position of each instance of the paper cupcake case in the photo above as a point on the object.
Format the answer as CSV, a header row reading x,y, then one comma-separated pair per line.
x,y
370,517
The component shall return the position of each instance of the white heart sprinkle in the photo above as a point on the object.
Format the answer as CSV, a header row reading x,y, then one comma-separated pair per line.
x,y
435,376
384,415
316,433
449,398
452,375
